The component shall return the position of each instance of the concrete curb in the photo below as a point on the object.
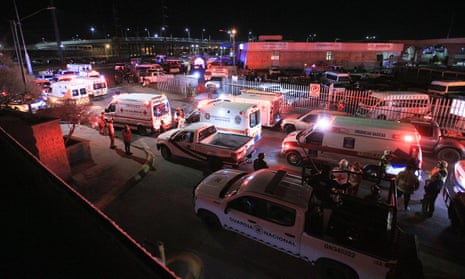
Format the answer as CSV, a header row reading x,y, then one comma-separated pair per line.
x,y
132,181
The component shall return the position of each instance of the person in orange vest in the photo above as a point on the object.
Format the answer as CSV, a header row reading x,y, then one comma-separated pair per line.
x,y
101,123
127,138
111,133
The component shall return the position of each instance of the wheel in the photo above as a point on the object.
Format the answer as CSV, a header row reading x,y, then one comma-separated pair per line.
x,y
449,154
165,152
209,219
326,268
289,128
141,130
382,117
294,158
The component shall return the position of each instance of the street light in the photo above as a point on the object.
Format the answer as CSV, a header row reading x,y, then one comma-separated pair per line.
x,y
203,32
233,35
148,32
18,22
92,31
188,33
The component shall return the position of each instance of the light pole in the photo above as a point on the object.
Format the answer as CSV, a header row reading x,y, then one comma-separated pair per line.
x,y
203,33
92,31
188,33
233,35
148,32
18,22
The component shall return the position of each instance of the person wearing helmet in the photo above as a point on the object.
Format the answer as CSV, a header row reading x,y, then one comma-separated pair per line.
x,y
355,178
433,186
341,174
383,164
260,162
407,182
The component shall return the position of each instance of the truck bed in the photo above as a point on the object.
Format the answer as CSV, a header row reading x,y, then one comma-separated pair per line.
x,y
225,140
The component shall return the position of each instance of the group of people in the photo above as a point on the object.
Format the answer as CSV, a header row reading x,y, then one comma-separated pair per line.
x,y
348,177
407,182
110,130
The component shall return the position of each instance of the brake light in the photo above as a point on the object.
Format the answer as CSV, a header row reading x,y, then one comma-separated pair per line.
x,y
408,138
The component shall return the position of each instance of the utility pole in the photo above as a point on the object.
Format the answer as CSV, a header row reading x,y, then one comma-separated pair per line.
x,y
57,32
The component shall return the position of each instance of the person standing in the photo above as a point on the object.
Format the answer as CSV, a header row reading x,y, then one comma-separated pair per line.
x,y
433,186
101,123
340,174
127,138
355,178
260,162
407,182
111,133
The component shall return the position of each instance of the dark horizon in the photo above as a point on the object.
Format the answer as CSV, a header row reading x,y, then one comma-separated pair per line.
x,y
342,20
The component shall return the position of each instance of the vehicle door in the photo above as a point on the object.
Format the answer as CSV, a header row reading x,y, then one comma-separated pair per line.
x,y
263,220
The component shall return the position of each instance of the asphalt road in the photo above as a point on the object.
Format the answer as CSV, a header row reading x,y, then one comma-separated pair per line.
x,y
159,209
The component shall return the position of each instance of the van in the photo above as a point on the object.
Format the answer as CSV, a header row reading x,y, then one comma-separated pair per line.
x,y
354,139
141,111
68,90
233,117
339,78
394,105
269,103
443,87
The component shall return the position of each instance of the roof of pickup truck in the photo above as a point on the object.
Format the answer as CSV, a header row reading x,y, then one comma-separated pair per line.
x,y
280,185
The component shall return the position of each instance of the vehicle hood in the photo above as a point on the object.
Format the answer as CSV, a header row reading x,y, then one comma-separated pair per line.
x,y
166,135
212,186
291,117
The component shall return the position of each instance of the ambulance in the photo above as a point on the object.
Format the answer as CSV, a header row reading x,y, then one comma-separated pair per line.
x,y
64,91
354,139
269,103
141,111
233,117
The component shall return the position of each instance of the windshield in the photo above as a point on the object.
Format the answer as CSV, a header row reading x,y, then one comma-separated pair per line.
x,y
161,109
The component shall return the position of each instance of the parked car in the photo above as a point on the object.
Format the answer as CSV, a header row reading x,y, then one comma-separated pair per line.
x,y
214,84
36,104
459,175
294,122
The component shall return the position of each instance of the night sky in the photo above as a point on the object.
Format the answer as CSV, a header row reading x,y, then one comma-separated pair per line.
x,y
329,20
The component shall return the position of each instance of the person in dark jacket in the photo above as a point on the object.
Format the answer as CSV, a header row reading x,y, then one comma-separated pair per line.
x,y
260,162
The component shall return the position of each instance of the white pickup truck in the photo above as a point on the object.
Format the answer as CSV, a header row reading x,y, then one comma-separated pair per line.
x,y
201,141
153,76
344,236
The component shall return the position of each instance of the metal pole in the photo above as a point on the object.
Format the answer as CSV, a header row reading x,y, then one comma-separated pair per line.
x,y
26,55
14,31
57,32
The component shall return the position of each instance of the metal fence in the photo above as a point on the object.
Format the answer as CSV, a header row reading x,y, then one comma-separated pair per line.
x,y
300,98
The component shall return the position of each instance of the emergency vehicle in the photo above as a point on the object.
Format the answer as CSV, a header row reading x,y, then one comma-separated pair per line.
x,y
341,235
96,85
142,112
354,138
269,103
68,90
233,117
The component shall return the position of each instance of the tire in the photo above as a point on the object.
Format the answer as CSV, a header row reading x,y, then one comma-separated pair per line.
x,y
449,154
294,158
382,117
289,129
141,130
165,152
326,268
209,219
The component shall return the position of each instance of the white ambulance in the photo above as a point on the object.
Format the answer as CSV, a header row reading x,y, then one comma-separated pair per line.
x,y
66,91
353,138
394,105
269,103
233,117
142,112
